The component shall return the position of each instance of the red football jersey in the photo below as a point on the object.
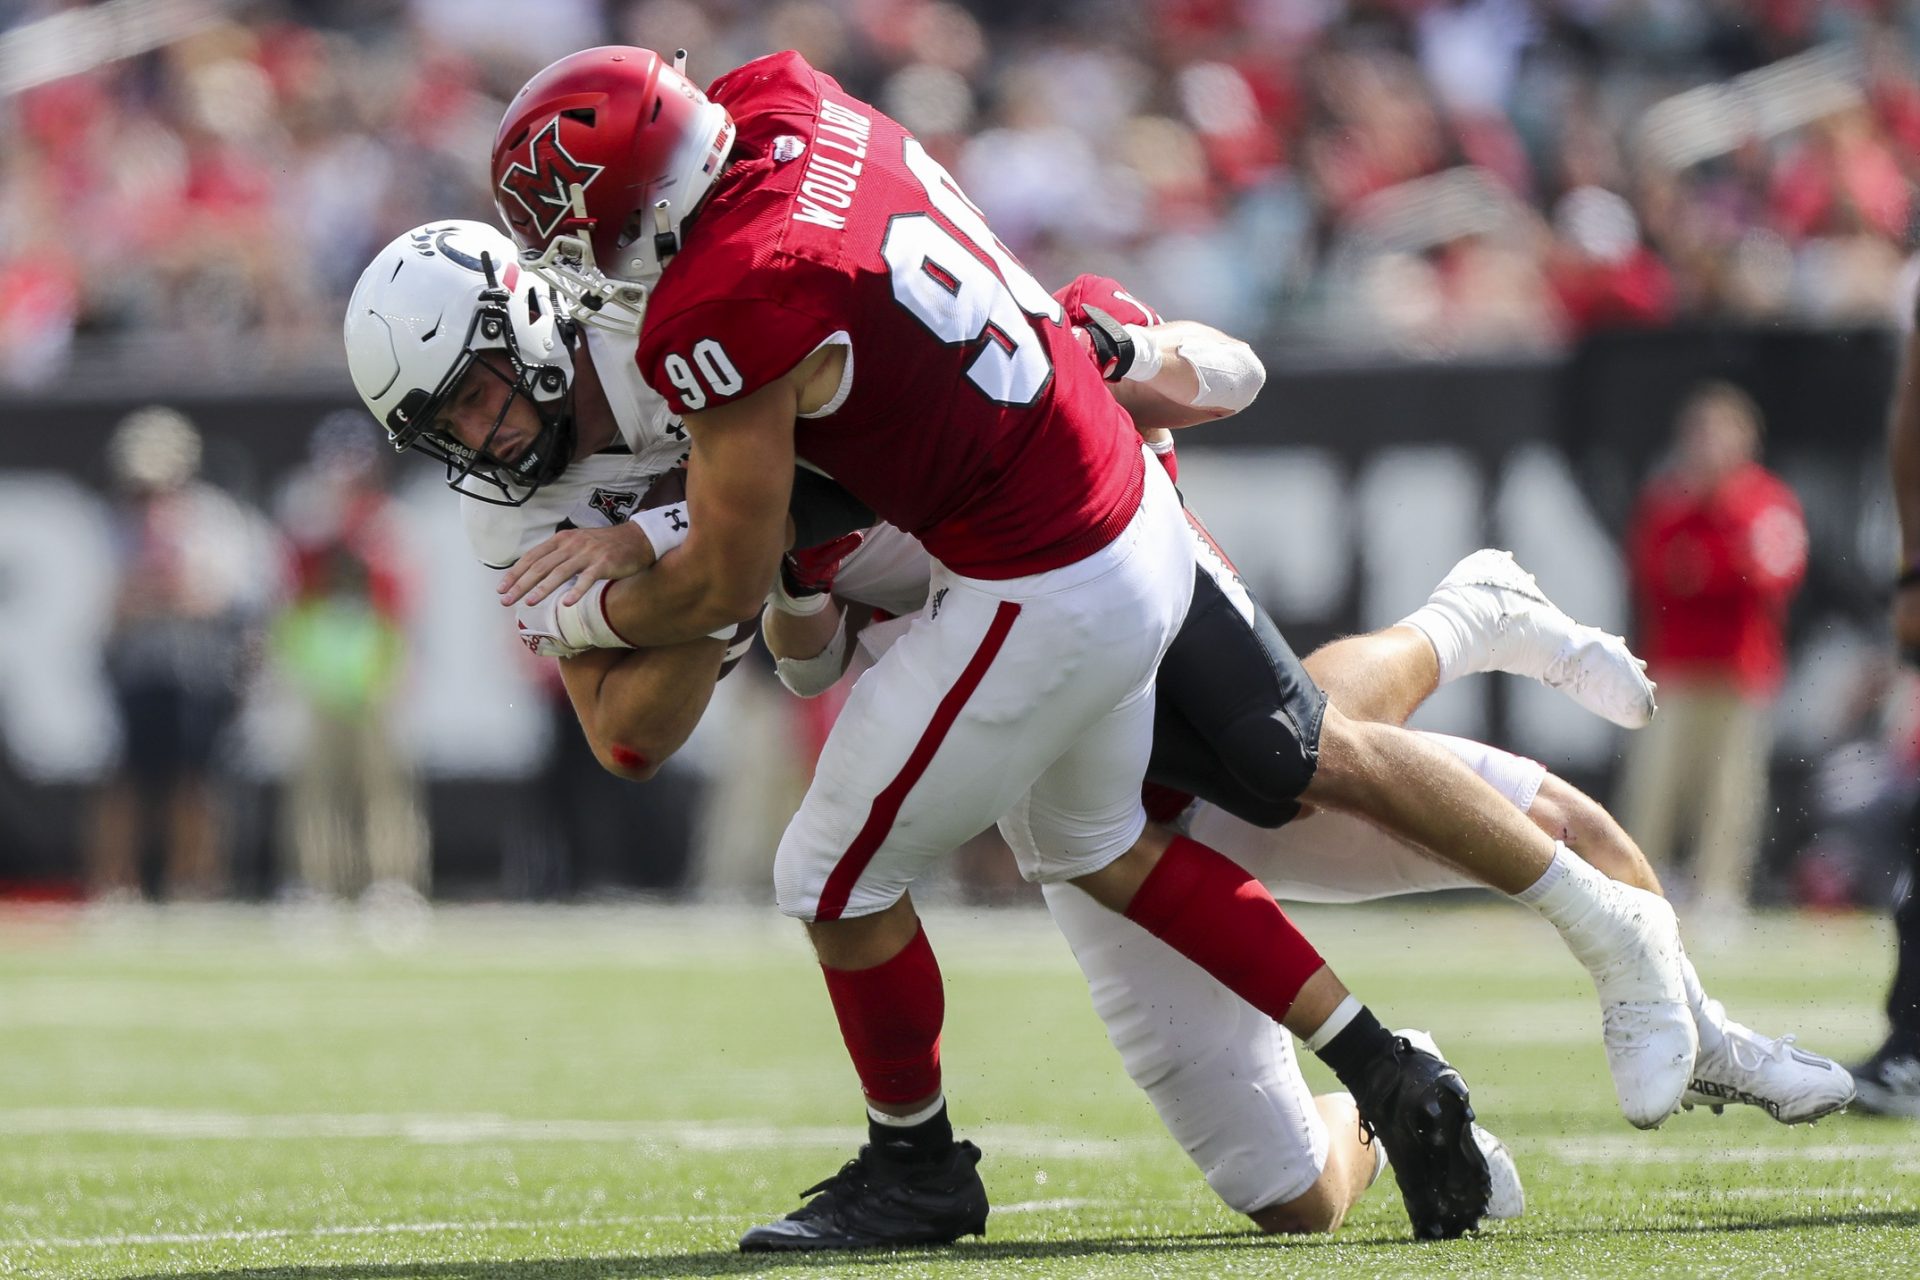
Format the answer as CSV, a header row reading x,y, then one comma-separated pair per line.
x,y
970,417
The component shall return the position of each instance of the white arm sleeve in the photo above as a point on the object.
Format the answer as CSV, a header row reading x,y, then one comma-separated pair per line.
x,y
811,677
1230,374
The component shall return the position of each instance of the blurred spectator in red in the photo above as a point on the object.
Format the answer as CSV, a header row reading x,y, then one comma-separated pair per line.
x,y
351,821
1717,550
1604,277
191,576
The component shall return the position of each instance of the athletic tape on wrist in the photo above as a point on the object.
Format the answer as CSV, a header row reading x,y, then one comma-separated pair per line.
x,y
1147,356
584,623
799,606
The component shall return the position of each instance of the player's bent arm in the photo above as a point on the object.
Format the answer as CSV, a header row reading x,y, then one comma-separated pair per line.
x,y
739,482
638,706
1184,373
812,651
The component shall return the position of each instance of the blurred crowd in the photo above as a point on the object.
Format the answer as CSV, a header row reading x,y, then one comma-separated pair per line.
x,y
1431,177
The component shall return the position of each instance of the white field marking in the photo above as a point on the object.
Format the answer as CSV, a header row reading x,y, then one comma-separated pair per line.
x,y
361,1229
1072,1202
1626,1150
1869,1194
434,1228
457,1129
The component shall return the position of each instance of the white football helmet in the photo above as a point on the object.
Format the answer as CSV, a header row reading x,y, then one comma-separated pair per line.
x,y
423,311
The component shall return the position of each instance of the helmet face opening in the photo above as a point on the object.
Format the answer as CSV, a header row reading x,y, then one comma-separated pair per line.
x,y
419,421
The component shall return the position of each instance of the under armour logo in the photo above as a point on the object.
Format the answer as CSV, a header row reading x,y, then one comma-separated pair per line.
x,y
677,520
544,188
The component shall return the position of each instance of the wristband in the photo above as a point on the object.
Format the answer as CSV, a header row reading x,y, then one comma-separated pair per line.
x,y
584,623
802,605
666,527
1147,356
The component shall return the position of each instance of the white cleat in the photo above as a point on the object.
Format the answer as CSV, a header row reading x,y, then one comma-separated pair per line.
x,y
1526,634
1632,950
1508,1199
1789,1084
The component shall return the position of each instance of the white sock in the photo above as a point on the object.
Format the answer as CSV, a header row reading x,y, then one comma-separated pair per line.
x,y
1567,894
1343,1013
1448,633
921,1116
1709,1016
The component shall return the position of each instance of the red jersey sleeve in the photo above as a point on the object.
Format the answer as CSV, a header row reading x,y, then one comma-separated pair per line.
x,y
722,349
1107,294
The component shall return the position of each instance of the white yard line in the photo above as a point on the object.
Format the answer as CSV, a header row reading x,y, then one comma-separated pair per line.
x,y
361,1229
458,1129
1628,1150
440,1228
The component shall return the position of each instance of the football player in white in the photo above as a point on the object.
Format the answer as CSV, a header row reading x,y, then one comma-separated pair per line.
x,y
1269,1152
1192,1046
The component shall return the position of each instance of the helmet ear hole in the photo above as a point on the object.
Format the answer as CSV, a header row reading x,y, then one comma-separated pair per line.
x,y
585,115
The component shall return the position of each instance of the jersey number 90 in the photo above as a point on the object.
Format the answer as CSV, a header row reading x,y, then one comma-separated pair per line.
x,y
958,297
715,369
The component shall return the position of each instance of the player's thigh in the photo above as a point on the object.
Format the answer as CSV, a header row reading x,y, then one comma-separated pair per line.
x,y
1326,856
1329,856
1253,712
953,724
1084,811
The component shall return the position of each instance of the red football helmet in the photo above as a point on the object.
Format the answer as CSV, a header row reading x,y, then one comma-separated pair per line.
x,y
612,146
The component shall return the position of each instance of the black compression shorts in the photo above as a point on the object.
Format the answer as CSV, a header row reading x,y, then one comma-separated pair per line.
x,y
1237,717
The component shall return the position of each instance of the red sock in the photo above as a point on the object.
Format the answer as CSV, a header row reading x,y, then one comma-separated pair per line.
x,y
890,1018
1211,911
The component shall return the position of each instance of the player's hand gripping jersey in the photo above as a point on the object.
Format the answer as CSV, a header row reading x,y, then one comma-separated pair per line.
x,y
969,415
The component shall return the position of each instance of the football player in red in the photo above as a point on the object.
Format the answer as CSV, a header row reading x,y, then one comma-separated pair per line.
x,y
1223,1080
820,289
456,363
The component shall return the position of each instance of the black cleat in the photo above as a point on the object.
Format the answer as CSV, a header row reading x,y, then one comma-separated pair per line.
x,y
1416,1105
1888,1083
876,1202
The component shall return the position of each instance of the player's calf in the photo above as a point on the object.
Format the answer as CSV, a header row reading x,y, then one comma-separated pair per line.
x,y
1354,1162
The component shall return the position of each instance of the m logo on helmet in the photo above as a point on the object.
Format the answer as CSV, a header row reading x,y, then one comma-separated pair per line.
x,y
544,187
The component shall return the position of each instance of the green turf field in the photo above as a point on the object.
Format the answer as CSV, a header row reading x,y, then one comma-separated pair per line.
x,y
529,1095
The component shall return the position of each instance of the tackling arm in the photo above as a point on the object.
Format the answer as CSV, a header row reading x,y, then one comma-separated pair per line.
x,y
1185,372
739,483
637,707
